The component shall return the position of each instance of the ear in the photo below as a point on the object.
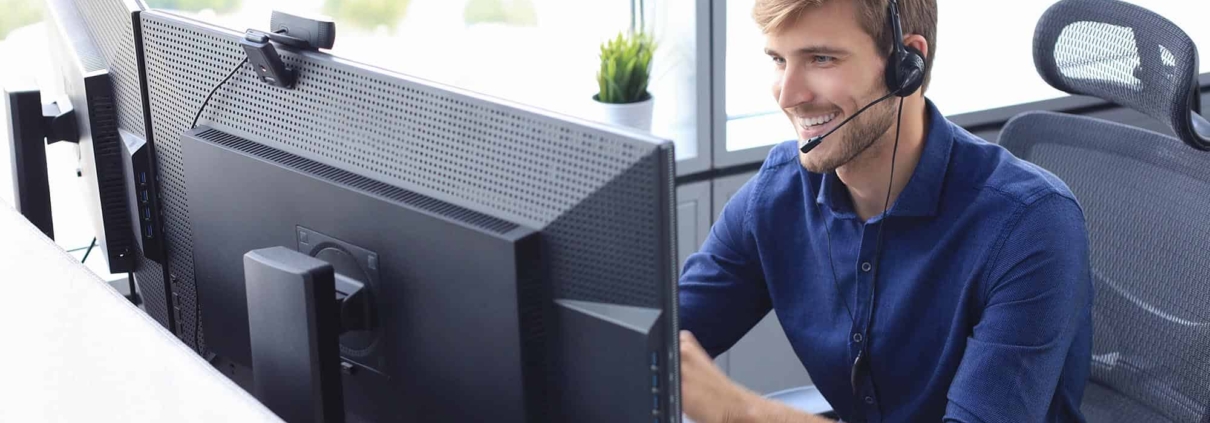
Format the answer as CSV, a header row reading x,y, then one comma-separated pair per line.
x,y
917,41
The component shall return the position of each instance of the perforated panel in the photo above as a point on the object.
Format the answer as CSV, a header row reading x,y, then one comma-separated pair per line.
x,y
603,198
150,279
83,48
110,23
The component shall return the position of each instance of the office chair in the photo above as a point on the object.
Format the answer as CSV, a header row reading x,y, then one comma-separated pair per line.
x,y
1143,195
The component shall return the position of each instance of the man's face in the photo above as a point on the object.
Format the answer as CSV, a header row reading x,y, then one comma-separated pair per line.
x,y
827,68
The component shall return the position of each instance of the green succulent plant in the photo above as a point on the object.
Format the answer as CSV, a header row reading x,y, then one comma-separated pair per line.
x,y
625,68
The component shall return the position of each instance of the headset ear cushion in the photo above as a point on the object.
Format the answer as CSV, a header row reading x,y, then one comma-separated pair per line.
x,y
910,72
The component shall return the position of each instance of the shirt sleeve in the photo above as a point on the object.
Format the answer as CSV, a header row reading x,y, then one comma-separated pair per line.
x,y
722,287
1038,302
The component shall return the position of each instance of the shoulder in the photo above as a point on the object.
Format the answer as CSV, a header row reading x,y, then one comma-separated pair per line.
x,y
1031,204
778,174
1017,183
1031,215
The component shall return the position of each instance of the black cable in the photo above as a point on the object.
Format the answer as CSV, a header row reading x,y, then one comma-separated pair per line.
x,y
134,295
197,316
216,87
878,247
828,232
863,354
86,253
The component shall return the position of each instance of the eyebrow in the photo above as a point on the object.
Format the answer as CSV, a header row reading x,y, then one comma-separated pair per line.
x,y
811,50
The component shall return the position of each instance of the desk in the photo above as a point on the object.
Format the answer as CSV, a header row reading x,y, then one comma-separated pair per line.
x,y
75,350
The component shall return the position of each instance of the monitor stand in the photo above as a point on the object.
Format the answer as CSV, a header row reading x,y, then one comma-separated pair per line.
x,y
32,125
296,306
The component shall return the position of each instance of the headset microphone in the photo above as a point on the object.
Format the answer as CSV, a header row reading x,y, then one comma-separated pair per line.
x,y
814,141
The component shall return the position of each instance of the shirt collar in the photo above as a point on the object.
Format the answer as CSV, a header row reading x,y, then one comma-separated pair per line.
x,y
922,194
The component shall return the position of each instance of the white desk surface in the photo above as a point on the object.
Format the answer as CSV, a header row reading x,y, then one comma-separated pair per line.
x,y
73,350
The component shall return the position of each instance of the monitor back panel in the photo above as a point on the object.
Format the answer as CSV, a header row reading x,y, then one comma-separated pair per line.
x,y
114,25
602,197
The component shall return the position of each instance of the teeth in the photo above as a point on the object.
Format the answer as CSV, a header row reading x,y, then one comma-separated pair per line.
x,y
818,120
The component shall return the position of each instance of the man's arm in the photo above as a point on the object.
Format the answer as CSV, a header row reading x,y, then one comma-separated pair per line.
x,y
722,288
1038,305
709,397
722,295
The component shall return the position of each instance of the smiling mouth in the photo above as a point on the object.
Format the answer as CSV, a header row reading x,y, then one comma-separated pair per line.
x,y
816,125
812,122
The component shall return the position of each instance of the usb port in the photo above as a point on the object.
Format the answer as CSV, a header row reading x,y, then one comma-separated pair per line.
x,y
142,177
655,359
147,231
143,196
147,214
655,381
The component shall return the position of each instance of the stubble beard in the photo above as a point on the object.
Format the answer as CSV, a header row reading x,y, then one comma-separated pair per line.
x,y
857,136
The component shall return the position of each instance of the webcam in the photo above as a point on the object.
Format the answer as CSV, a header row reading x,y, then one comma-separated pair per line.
x,y
291,30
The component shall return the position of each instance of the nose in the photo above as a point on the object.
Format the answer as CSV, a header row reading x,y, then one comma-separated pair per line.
x,y
792,88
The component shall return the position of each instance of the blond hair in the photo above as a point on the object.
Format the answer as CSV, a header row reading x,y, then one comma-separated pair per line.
x,y
917,16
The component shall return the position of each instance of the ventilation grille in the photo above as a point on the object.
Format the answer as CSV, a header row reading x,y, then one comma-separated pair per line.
x,y
592,192
111,182
359,183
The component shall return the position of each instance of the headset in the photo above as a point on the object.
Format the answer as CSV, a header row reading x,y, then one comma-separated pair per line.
x,y
904,73
905,66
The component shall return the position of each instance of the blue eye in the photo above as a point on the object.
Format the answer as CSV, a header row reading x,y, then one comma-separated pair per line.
x,y
778,60
824,60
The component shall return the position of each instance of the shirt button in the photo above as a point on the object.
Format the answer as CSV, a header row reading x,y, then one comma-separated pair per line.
x,y
865,267
856,337
869,400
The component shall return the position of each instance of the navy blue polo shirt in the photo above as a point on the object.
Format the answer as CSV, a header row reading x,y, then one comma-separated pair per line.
x,y
982,307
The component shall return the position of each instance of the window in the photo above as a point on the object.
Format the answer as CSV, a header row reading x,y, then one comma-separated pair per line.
x,y
981,63
542,53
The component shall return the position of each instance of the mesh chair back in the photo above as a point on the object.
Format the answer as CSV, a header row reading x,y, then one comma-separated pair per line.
x,y
1142,194
1125,54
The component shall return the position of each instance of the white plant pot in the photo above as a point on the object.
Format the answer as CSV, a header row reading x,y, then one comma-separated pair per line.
x,y
633,115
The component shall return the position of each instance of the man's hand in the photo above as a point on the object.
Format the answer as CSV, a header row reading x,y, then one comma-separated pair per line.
x,y
707,395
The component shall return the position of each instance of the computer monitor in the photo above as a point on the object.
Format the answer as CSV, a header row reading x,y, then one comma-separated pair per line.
x,y
84,82
115,28
519,264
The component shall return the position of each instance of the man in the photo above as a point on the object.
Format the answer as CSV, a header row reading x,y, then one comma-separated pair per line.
x,y
975,307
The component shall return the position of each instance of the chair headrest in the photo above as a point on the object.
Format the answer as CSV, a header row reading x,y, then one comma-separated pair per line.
x,y
1124,54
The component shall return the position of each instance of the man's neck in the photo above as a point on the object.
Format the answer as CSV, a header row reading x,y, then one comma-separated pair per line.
x,y
866,176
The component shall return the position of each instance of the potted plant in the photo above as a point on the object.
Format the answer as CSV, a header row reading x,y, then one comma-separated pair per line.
x,y
622,80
